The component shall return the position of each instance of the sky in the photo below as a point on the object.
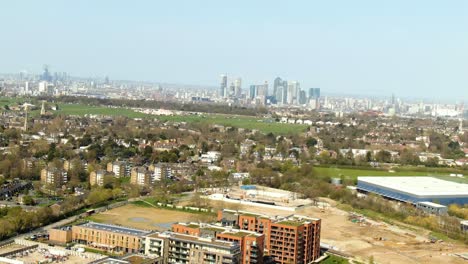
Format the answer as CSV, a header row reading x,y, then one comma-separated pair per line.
x,y
415,48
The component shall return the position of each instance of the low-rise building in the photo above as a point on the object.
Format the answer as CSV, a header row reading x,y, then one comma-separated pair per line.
x,y
109,237
432,208
61,235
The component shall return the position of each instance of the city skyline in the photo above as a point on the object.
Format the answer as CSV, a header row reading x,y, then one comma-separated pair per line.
x,y
366,48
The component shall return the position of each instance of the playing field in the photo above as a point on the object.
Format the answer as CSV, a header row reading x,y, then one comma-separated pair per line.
x,y
247,122
147,218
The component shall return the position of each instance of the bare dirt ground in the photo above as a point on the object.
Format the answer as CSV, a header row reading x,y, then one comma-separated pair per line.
x,y
147,218
385,243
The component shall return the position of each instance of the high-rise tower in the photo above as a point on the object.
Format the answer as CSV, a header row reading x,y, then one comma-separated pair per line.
x,y
223,86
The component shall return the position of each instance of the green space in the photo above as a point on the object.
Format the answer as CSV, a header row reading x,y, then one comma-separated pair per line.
x,y
81,110
331,259
247,122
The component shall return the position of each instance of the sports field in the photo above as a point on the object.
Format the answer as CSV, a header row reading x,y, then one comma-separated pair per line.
x,y
148,218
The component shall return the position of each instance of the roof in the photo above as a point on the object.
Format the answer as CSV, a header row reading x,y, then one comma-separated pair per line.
x,y
116,229
433,205
418,186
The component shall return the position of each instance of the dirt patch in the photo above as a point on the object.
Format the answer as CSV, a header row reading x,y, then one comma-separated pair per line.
x,y
385,243
148,218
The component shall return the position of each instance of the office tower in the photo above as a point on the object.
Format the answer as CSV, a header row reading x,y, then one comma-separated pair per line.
x,y
314,93
223,87
317,92
238,87
293,91
253,92
276,84
232,90
46,75
302,97
262,90
280,94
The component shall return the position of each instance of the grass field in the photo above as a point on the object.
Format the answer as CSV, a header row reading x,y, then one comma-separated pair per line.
x,y
247,122
81,110
145,217
354,173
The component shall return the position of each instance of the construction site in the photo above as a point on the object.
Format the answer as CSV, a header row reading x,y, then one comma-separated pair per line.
x,y
259,196
360,238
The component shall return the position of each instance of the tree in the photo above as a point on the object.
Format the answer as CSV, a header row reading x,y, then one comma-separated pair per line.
x,y
383,156
28,200
311,142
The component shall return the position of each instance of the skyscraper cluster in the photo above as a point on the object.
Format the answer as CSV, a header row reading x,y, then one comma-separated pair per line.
x,y
284,93
234,90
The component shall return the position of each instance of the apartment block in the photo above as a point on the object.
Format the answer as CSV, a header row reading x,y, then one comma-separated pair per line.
x,y
292,239
251,243
140,176
160,172
295,239
100,177
53,176
187,249
119,168
109,237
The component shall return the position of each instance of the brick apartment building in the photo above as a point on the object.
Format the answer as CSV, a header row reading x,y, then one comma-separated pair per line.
x,y
293,239
251,243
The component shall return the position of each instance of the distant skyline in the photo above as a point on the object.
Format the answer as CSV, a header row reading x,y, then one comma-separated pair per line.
x,y
409,48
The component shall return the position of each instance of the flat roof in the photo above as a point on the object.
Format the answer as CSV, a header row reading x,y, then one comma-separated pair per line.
x,y
116,229
434,205
419,186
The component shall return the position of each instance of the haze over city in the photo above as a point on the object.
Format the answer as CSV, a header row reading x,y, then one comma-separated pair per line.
x,y
413,49
233,132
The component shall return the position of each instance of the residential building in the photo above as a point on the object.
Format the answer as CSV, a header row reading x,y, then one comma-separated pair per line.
x,y
109,237
61,235
99,177
119,168
54,176
160,171
188,249
251,243
291,239
141,176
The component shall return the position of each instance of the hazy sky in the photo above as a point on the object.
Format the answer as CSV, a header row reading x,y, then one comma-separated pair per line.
x,y
410,48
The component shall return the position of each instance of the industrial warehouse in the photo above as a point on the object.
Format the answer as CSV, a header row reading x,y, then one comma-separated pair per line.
x,y
416,189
